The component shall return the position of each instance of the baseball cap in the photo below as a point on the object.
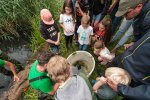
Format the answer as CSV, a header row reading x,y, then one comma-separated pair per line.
x,y
46,16
125,5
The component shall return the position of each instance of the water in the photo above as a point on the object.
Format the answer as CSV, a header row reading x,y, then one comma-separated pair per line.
x,y
18,51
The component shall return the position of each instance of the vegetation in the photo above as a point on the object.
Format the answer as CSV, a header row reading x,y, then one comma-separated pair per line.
x,y
21,17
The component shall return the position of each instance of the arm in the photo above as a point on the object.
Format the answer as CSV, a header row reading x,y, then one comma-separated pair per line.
x,y
112,6
58,40
78,6
102,80
138,93
56,86
105,9
50,41
12,68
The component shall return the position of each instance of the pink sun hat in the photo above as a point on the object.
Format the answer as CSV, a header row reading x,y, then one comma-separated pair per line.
x,y
46,16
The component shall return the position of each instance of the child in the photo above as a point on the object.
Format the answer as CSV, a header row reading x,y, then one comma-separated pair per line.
x,y
117,74
82,7
67,22
71,87
84,32
49,30
102,31
104,55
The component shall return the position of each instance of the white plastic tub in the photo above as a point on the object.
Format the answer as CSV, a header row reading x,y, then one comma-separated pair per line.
x,y
84,57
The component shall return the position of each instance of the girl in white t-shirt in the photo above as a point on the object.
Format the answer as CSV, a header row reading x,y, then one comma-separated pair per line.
x,y
85,31
67,22
104,55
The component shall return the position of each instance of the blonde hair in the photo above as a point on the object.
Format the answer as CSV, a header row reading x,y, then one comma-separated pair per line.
x,y
85,19
118,74
59,69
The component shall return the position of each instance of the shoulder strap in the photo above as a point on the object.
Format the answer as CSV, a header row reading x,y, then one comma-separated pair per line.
x,y
38,78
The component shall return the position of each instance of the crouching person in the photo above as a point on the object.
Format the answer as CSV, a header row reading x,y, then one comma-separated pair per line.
x,y
72,87
38,78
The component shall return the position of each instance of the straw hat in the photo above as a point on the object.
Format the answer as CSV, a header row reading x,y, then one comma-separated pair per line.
x,y
46,16
118,74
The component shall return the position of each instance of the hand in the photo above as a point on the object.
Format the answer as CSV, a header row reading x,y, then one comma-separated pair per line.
x,y
77,4
103,79
128,45
113,84
66,30
16,78
72,30
57,43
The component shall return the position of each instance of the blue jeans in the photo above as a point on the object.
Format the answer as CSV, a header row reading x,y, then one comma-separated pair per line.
x,y
96,19
125,37
105,92
54,49
122,29
83,47
115,23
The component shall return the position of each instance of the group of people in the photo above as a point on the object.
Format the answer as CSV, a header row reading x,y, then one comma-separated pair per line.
x,y
127,75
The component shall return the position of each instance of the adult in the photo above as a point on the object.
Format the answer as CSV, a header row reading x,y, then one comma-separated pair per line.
x,y
38,78
4,63
136,58
140,10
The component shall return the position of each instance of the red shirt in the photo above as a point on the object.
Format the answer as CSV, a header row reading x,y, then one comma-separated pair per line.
x,y
100,33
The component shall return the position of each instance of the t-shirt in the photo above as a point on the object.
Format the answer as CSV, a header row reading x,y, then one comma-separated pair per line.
x,y
98,7
45,84
49,32
106,53
75,88
67,21
2,63
84,34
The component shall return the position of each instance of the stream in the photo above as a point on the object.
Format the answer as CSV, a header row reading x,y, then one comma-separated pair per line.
x,y
18,51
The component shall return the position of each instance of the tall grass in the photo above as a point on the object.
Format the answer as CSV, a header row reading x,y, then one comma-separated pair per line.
x,y
14,14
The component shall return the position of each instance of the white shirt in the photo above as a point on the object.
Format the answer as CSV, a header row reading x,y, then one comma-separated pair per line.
x,y
84,34
106,53
67,21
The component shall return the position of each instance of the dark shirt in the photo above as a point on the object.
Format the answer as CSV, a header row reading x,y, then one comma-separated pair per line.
x,y
141,23
98,7
49,32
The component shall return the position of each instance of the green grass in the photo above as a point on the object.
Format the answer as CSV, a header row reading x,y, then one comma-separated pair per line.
x,y
37,43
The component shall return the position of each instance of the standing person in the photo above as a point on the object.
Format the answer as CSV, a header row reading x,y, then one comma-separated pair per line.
x,y
85,31
38,78
72,87
82,7
115,20
67,22
49,30
141,14
4,63
99,10
135,60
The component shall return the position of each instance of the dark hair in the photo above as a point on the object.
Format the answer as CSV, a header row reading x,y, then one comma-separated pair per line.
x,y
69,4
108,25
44,57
